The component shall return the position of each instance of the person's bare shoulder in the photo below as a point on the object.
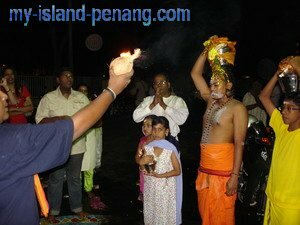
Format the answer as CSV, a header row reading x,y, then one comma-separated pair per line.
x,y
237,105
235,102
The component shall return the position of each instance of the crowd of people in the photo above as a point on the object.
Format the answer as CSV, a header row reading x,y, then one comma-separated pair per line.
x,y
38,148
67,139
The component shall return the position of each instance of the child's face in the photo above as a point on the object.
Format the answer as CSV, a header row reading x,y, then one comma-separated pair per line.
x,y
147,127
83,89
290,112
159,132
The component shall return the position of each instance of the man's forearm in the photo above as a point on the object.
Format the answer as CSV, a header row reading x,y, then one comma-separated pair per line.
x,y
52,119
238,156
197,69
141,111
197,76
265,95
268,89
179,116
89,115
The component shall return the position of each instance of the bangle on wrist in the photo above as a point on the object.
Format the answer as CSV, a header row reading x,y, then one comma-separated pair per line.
x,y
236,174
113,94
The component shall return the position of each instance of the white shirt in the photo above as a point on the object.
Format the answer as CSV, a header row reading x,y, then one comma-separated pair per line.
x,y
176,112
55,104
259,113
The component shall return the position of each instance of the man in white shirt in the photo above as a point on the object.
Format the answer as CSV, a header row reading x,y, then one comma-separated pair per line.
x,y
163,103
253,104
56,105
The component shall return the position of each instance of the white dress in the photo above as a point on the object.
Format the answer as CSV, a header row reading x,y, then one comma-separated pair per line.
x,y
160,193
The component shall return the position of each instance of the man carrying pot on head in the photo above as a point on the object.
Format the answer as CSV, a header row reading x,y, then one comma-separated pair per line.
x,y
224,130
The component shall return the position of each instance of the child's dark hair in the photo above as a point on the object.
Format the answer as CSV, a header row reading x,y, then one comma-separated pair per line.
x,y
151,117
165,122
161,120
294,97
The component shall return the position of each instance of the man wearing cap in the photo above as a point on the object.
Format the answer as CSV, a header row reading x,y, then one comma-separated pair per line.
x,y
224,131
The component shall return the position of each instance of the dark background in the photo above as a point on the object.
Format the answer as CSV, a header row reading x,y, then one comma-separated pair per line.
x,y
262,29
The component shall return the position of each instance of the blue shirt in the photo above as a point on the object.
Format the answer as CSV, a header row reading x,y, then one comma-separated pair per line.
x,y
24,151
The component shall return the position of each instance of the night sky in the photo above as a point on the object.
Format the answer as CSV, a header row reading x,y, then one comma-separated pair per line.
x,y
262,30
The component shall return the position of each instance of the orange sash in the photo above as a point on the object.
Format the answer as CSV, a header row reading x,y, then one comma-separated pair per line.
x,y
217,159
40,194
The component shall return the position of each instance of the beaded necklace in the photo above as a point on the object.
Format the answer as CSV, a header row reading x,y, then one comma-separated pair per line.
x,y
212,116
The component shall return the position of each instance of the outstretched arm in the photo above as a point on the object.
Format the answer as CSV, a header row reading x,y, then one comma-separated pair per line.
x,y
265,95
89,115
197,76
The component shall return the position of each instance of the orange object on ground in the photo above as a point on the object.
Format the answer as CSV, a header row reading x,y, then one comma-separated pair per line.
x,y
216,164
40,194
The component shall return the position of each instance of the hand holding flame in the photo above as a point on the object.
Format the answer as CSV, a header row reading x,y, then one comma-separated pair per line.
x,y
124,63
121,70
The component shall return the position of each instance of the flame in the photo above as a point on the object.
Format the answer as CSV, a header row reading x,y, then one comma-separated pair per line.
x,y
124,63
125,54
136,54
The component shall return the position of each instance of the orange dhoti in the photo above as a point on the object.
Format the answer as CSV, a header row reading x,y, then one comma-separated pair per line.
x,y
215,207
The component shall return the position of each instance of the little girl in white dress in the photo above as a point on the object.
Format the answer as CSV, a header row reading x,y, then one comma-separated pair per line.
x,y
163,186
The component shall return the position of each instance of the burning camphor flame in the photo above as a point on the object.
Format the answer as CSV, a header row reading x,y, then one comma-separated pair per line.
x,y
124,63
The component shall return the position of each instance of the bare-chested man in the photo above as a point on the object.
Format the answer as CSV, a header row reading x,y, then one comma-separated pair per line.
x,y
224,130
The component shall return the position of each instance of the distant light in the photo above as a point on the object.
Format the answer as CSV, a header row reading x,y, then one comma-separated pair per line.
x,y
94,42
246,77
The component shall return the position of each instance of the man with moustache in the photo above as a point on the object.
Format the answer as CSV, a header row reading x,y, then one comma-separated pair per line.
x,y
163,103
56,105
224,130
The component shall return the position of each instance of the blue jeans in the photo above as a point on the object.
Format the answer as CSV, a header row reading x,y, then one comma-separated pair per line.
x,y
72,169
